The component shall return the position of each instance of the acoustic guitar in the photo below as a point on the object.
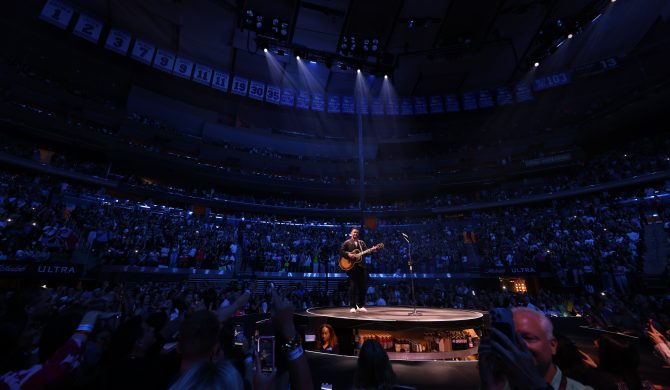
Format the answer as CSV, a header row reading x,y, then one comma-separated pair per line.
x,y
346,264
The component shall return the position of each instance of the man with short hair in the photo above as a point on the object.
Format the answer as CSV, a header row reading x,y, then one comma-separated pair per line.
x,y
527,360
358,275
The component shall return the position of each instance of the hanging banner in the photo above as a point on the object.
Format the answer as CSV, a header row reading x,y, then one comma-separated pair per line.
x,y
453,104
377,106
392,106
318,103
220,80
257,90
240,86
164,60
183,68
469,101
333,103
436,106
503,96
202,74
88,28
406,106
362,106
420,107
348,104
485,99
287,97
143,51
273,94
523,93
303,100
118,41
57,13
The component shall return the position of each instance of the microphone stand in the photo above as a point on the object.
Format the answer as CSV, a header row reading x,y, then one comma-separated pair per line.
x,y
411,275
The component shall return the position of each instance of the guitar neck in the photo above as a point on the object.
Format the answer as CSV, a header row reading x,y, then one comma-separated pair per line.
x,y
365,252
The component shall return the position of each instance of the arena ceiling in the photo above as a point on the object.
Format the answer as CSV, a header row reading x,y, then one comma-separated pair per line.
x,y
425,46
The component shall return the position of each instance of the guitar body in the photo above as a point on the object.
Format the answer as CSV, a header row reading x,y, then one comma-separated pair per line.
x,y
346,264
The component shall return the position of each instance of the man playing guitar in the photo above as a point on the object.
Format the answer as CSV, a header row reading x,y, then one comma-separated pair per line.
x,y
358,275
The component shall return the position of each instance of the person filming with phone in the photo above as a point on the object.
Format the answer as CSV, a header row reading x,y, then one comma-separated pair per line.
x,y
518,353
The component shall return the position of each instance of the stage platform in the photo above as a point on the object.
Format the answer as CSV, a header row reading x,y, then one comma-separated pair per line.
x,y
412,335
398,317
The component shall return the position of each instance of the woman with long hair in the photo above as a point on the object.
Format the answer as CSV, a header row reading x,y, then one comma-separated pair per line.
x,y
328,339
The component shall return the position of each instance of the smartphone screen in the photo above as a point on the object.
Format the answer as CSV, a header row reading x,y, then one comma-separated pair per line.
x,y
266,353
238,336
502,320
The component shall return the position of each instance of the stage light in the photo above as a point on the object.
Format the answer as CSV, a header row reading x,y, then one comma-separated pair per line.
x,y
569,36
536,64
259,21
275,22
284,29
265,50
353,46
297,57
312,62
386,76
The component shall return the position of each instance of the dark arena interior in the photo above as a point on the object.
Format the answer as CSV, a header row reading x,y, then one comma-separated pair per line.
x,y
334,194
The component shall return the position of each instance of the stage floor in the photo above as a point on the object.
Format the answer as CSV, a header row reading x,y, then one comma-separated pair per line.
x,y
398,313
396,317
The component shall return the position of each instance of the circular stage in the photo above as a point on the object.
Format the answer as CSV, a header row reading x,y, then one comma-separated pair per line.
x,y
398,317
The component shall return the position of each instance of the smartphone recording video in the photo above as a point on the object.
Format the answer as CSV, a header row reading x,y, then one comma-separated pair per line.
x,y
266,353
501,319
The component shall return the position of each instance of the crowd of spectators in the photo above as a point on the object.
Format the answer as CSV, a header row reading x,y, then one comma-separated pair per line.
x,y
139,324
589,241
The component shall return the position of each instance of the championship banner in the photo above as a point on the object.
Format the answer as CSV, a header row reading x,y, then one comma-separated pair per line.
x,y
377,106
273,94
469,101
164,60
436,106
183,68
333,104
406,106
523,92
220,80
202,74
257,90
57,13
392,106
420,107
88,28
485,99
303,100
287,97
453,105
348,105
240,86
318,103
143,51
118,41
362,106
504,96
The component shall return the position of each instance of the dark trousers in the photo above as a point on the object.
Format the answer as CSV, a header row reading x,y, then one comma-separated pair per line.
x,y
358,286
